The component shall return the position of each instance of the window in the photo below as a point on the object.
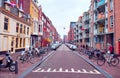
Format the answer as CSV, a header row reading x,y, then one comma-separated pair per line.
x,y
111,21
27,30
17,27
20,42
20,28
39,28
6,21
24,42
16,42
24,29
111,5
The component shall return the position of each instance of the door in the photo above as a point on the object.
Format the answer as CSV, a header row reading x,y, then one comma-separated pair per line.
x,y
119,46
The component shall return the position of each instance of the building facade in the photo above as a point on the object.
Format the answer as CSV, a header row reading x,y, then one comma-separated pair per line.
x,y
14,28
71,33
103,27
116,15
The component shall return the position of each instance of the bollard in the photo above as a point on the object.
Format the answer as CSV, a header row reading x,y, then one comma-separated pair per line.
x,y
16,67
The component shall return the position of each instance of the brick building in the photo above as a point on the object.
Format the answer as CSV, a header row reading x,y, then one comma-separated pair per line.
x,y
71,35
116,11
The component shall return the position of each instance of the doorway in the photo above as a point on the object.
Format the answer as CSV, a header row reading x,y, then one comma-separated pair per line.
x,y
119,46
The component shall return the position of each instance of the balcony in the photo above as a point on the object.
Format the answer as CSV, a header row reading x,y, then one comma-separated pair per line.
x,y
100,31
86,26
101,3
100,18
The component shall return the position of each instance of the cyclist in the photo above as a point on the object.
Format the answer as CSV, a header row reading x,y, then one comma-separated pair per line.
x,y
111,49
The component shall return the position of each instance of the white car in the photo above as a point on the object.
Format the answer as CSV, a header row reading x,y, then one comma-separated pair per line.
x,y
73,47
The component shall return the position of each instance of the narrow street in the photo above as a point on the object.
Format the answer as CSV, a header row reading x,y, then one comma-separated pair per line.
x,y
64,64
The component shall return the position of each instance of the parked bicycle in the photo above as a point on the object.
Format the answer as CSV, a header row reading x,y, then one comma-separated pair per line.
x,y
25,56
111,59
93,55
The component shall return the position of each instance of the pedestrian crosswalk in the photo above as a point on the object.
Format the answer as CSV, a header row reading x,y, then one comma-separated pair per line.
x,y
72,70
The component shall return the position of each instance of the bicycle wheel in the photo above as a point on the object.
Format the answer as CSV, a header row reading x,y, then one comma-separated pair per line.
x,y
30,59
92,58
114,61
101,61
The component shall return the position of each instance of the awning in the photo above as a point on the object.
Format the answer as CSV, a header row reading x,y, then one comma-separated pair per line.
x,y
48,39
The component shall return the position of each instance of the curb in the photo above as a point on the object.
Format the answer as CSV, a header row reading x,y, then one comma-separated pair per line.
x,y
34,66
95,66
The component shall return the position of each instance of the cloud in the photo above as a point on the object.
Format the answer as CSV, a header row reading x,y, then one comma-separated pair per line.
x,y
61,12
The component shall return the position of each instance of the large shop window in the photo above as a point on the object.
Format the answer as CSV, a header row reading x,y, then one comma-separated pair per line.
x,y
6,23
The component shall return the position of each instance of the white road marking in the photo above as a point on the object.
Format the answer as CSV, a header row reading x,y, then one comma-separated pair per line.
x,y
72,70
37,70
84,71
60,69
42,70
54,70
96,71
67,71
48,69
78,71
91,72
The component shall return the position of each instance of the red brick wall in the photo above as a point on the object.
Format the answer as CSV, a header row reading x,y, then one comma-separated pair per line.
x,y
110,13
117,24
26,6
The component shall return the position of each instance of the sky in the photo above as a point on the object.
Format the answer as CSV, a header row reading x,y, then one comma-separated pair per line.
x,y
62,12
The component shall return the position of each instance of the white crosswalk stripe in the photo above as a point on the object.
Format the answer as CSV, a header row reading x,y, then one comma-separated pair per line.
x,y
66,70
60,69
72,70
84,70
48,69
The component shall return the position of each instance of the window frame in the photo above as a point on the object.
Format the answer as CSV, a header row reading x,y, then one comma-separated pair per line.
x,y
17,27
7,29
111,21
111,5
21,27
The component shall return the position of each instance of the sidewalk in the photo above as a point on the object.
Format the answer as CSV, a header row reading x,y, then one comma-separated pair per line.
x,y
5,73
114,71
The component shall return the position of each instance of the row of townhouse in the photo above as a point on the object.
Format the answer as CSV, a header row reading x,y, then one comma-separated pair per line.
x,y
23,25
99,26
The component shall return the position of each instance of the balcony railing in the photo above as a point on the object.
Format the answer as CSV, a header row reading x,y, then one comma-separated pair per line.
x,y
101,16
99,31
